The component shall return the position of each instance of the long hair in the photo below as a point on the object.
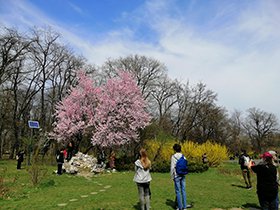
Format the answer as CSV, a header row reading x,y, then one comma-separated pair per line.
x,y
146,163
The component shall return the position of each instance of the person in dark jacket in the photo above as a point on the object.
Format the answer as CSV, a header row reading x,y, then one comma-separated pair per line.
x,y
244,160
267,186
19,158
70,150
204,158
59,160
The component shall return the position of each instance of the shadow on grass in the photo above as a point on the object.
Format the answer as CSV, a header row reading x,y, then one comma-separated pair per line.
x,y
240,186
251,206
137,206
170,203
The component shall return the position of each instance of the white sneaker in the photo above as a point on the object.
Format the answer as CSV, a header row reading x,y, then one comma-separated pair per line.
x,y
189,206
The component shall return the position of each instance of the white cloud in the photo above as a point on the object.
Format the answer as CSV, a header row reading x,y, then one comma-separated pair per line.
x,y
239,61
76,8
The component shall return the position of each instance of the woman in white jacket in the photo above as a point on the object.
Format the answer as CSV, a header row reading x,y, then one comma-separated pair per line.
x,y
142,178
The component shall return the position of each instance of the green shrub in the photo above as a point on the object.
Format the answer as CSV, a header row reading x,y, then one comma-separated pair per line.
x,y
36,171
164,166
197,167
124,163
161,166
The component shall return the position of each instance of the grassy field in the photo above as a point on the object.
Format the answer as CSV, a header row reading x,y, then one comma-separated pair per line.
x,y
220,187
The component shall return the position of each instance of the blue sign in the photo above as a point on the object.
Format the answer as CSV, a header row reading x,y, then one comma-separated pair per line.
x,y
33,124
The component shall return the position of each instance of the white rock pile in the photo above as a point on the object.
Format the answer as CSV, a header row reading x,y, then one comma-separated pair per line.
x,y
82,163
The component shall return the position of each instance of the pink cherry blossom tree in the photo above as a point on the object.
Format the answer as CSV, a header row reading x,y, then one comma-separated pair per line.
x,y
112,113
75,113
120,113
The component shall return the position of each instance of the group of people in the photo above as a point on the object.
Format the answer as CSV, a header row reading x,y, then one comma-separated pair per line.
x,y
64,154
267,178
266,171
143,178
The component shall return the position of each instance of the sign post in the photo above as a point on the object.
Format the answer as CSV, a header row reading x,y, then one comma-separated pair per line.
x,y
31,124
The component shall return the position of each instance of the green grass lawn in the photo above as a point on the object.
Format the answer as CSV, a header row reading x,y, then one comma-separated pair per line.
x,y
220,187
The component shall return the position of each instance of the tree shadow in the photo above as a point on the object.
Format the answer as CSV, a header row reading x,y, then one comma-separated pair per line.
x,y
251,206
240,186
170,203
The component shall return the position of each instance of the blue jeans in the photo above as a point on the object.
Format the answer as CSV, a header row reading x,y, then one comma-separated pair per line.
x,y
180,190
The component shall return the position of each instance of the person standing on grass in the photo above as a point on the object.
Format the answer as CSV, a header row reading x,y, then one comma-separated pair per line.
x,y
112,159
267,186
179,180
19,158
204,158
70,150
276,163
244,160
59,160
143,178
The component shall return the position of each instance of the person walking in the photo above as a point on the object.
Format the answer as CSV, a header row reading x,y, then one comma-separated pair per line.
x,y
244,160
143,178
179,180
267,186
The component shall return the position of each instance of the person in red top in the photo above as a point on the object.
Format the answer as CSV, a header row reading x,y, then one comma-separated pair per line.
x,y
65,153
267,186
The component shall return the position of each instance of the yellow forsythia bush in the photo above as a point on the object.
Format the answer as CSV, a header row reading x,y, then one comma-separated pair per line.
x,y
216,153
162,151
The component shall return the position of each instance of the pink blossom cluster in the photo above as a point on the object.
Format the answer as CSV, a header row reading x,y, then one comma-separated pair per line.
x,y
111,114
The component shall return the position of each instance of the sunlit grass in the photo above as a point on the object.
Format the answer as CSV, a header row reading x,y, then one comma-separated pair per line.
x,y
220,187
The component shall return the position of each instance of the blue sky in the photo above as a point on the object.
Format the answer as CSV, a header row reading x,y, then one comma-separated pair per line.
x,y
231,46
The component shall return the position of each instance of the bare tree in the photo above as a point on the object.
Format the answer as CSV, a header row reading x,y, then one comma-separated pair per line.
x,y
184,98
260,125
36,71
12,47
5,116
146,70
164,95
24,86
46,56
195,106
61,79
212,124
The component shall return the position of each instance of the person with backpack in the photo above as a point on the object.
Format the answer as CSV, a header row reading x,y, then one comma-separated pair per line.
x,y
178,170
143,178
244,160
